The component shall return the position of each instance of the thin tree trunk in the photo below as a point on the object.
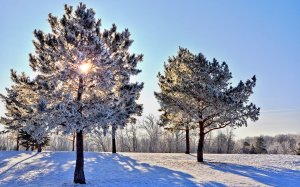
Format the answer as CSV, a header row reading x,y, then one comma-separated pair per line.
x,y
187,140
73,141
18,142
228,145
79,173
201,142
32,146
39,148
134,140
122,141
134,143
219,145
229,137
113,138
176,142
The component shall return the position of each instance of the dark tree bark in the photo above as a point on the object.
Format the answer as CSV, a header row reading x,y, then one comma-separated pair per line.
x,y
39,148
113,138
73,141
18,142
79,172
176,143
134,140
134,144
228,143
187,140
201,142
32,146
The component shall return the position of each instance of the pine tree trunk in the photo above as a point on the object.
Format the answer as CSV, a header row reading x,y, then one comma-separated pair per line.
x,y
32,146
73,141
39,148
79,173
201,142
18,142
228,146
134,144
113,138
187,140
176,141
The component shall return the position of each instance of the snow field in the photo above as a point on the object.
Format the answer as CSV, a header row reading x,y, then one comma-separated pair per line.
x,y
31,169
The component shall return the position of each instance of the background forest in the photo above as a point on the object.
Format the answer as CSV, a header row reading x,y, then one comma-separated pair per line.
x,y
147,136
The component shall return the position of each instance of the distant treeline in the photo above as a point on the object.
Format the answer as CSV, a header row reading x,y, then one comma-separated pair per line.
x,y
148,136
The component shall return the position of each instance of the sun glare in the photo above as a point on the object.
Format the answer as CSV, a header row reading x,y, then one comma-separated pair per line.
x,y
85,67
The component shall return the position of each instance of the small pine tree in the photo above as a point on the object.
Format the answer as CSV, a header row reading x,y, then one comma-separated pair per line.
x,y
260,147
297,150
19,96
246,147
27,141
252,150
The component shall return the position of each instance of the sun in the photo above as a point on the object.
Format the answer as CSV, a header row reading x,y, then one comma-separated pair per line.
x,y
85,67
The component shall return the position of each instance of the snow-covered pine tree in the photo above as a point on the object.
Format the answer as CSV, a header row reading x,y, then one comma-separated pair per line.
x,y
83,67
260,147
126,108
27,141
25,111
246,147
16,100
297,150
126,92
202,90
174,117
252,150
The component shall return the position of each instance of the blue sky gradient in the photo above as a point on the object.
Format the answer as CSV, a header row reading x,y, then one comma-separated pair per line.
x,y
253,37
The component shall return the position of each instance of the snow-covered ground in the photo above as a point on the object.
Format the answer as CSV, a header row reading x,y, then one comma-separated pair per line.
x,y
148,169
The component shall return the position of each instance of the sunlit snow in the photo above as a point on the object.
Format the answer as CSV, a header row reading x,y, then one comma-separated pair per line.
x,y
148,169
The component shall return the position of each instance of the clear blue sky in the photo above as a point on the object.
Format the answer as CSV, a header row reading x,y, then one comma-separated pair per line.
x,y
253,37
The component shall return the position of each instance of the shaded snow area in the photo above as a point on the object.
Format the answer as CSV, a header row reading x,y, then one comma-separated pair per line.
x,y
148,169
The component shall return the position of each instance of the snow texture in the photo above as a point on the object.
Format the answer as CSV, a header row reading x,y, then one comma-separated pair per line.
x,y
148,169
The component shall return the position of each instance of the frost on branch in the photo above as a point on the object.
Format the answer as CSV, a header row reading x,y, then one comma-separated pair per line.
x,y
201,90
107,96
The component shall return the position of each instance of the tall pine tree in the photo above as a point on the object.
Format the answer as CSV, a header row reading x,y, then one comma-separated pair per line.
x,y
202,90
83,80
126,92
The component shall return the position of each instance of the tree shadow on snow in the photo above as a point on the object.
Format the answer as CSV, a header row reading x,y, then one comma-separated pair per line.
x,y
38,169
101,169
273,176
6,156
119,170
213,184
5,162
